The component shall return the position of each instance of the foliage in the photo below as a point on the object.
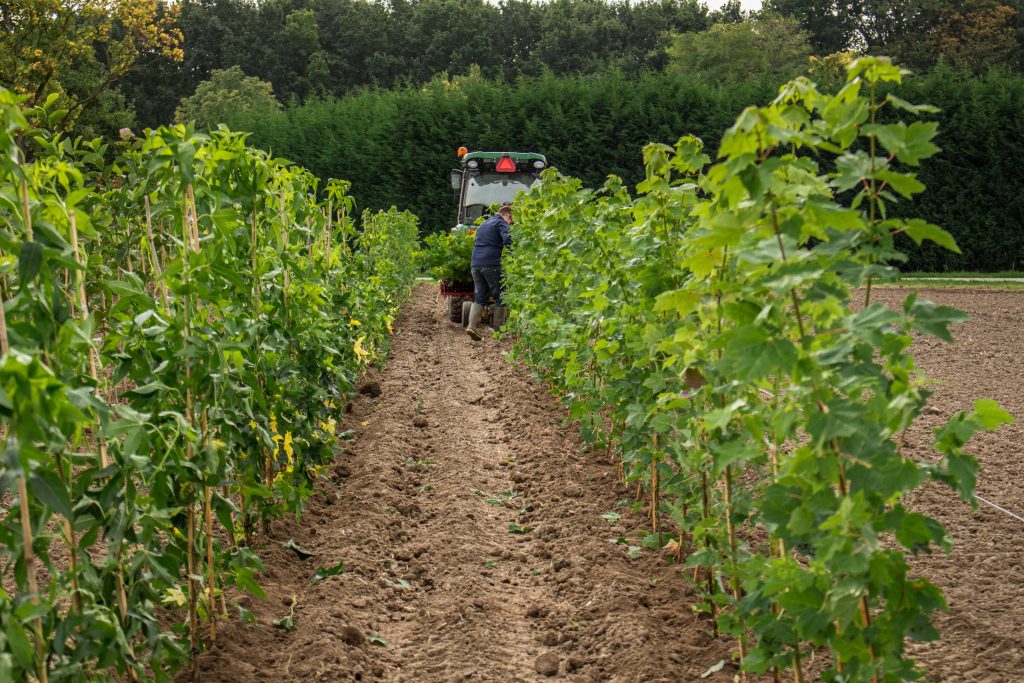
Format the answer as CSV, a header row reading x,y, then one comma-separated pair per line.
x,y
718,332
307,48
448,255
976,35
228,92
397,147
973,180
47,43
183,318
766,47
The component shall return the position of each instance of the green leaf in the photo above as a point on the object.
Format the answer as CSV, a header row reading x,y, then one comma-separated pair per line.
x,y
147,389
906,184
752,354
909,144
935,320
301,552
914,109
286,622
48,488
21,648
678,300
919,230
29,261
990,415
720,418
326,572
376,640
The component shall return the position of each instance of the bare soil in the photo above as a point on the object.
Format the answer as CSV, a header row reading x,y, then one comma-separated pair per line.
x,y
983,577
432,570
436,587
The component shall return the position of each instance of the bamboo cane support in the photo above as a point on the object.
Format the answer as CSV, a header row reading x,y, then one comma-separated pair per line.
x,y
26,531
731,531
193,584
157,269
30,570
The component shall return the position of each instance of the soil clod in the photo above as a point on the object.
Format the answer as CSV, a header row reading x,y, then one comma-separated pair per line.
x,y
370,388
352,635
547,664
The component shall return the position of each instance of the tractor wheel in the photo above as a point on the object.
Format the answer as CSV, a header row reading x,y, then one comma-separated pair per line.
x,y
466,306
455,308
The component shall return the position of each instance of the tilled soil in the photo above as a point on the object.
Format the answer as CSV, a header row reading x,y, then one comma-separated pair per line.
x,y
452,444
983,577
432,570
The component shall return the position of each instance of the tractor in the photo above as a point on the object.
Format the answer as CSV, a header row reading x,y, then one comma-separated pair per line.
x,y
483,180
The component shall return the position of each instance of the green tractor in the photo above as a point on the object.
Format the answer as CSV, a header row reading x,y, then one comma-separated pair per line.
x,y
484,179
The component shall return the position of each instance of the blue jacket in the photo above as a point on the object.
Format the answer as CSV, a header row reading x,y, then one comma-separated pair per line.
x,y
491,238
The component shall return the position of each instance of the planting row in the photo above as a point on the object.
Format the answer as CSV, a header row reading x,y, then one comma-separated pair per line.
x,y
183,318
717,330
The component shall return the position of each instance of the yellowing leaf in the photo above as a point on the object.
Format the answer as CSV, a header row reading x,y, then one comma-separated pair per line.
x,y
361,353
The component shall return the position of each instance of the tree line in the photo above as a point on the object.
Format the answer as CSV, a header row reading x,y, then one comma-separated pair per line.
x,y
124,62
586,81
397,146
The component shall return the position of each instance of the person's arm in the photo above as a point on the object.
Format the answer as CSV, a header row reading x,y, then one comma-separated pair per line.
x,y
506,235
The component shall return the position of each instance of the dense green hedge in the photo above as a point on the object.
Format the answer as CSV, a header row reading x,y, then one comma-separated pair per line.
x,y
976,184
398,146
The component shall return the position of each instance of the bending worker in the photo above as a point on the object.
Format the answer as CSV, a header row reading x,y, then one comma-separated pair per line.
x,y
491,238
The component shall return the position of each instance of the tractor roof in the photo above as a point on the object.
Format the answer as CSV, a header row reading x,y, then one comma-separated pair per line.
x,y
516,156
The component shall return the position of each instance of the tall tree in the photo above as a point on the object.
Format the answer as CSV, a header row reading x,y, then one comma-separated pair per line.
x,y
79,49
228,93
831,24
769,47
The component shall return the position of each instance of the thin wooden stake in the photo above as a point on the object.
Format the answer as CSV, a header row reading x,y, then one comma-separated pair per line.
x,y
157,269
731,531
28,212
30,569
210,565
193,584
83,305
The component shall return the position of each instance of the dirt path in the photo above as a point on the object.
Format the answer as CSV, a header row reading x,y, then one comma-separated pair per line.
x,y
451,446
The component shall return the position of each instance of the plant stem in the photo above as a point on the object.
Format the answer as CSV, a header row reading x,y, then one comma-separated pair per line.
x,y
655,486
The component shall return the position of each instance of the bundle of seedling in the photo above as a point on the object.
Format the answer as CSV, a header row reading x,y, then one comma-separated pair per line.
x,y
447,257
183,318
718,331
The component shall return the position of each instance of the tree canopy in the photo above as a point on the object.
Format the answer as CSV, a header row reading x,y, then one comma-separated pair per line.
x,y
768,46
228,93
80,48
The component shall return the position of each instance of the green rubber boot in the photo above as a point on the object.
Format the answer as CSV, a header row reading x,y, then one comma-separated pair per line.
x,y
499,315
474,321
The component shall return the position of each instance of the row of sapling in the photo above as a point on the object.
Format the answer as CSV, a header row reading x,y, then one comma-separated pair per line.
x,y
183,317
718,331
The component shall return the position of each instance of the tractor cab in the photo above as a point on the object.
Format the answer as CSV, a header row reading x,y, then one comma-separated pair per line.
x,y
489,178
485,179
